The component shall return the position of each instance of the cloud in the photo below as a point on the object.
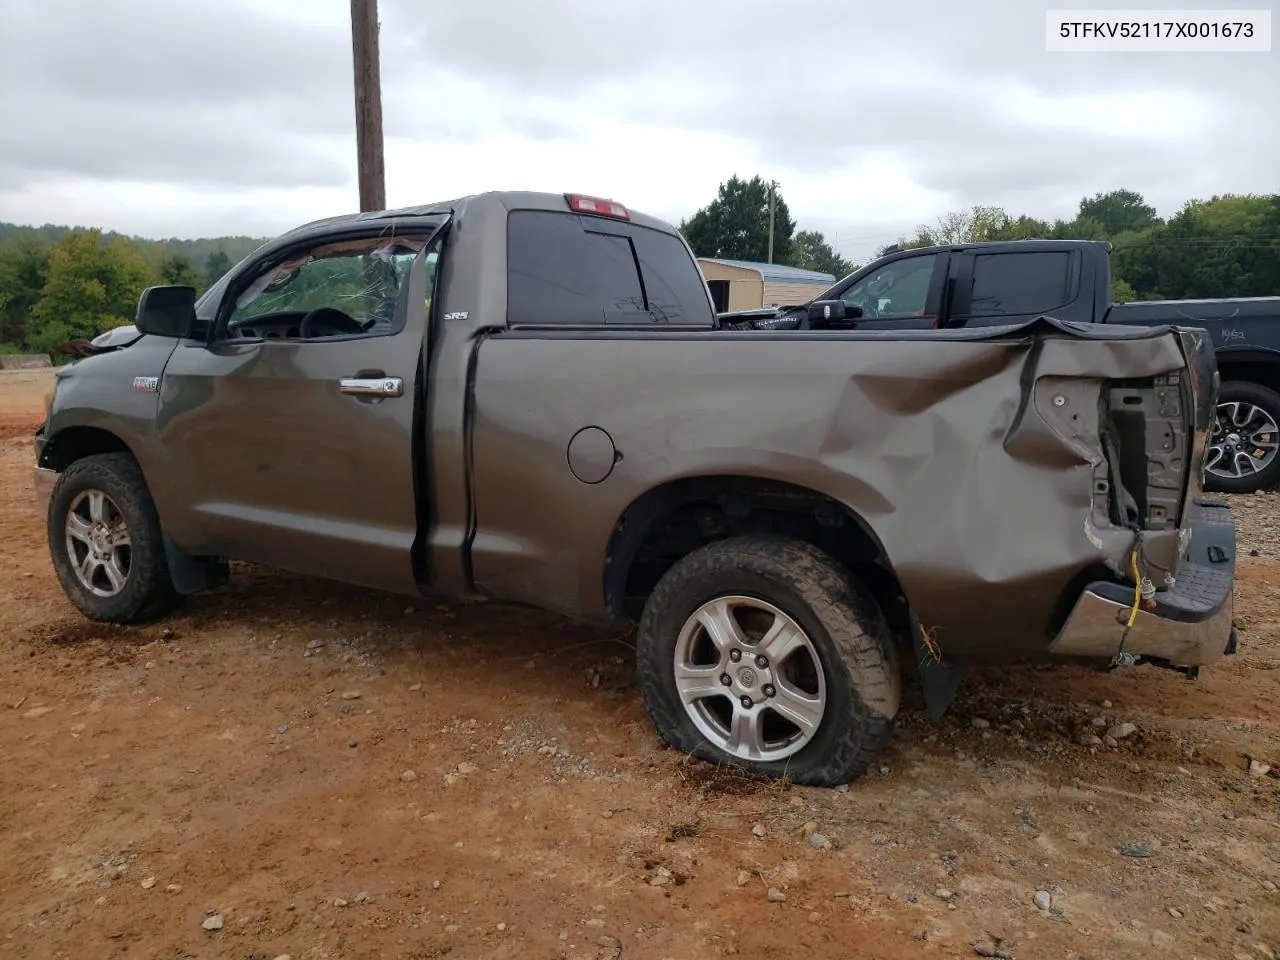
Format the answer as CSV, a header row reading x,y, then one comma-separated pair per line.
x,y
163,91
184,118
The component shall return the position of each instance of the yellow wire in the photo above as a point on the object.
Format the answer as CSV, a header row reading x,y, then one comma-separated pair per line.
x,y
1137,589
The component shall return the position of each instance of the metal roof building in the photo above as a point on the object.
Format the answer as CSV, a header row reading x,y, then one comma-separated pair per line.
x,y
746,285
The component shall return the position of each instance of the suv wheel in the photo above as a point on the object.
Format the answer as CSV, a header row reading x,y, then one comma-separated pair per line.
x,y
766,653
106,544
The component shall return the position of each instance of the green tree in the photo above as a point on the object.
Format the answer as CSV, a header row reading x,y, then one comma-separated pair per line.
x,y
974,225
90,287
1024,228
1081,228
1118,211
1227,246
812,252
23,264
177,269
735,225
1135,256
215,266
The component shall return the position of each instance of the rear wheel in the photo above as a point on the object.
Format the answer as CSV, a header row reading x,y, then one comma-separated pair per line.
x,y
1244,449
106,544
765,652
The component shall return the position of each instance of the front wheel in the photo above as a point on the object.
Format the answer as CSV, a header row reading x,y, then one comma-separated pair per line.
x,y
106,543
765,652
1244,451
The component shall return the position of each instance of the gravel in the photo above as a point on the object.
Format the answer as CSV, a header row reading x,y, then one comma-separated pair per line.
x,y
1136,851
1122,730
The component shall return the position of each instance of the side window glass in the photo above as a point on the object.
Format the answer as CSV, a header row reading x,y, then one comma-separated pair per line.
x,y
900,289
673,284
342,288
560,272
1013,284
585,271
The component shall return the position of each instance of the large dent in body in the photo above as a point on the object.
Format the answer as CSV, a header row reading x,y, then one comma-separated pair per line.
x,y
965,479
936,440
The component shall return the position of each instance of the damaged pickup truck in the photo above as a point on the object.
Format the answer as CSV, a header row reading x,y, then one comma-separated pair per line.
x,y
528,398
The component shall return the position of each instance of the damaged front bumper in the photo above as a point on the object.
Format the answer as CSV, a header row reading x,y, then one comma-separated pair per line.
x,y
1187,625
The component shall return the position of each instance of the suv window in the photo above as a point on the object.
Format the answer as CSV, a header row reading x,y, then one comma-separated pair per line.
x,y
586,271
899,289
1012,284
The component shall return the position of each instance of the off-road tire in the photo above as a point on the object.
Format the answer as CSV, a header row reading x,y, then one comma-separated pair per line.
x,y
1269,401
148,592
840,616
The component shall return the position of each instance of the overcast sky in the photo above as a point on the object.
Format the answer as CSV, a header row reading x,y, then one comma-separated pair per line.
x,y
205,117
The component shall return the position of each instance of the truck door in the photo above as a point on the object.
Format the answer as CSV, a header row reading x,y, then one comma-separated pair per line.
x,y
1009,286
293,432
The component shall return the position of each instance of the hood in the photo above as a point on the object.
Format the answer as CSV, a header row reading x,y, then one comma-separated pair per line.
x,y
115,338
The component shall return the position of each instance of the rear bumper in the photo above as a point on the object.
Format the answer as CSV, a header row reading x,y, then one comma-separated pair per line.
x,y
44,481
1190,624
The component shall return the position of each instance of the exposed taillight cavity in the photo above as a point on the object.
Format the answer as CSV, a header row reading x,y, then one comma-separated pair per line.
x,y
597,207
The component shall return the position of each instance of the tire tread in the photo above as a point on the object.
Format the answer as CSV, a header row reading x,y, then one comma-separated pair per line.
x,y
150,593
852,619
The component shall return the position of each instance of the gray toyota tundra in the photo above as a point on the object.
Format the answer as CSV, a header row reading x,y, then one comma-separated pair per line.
x,y
527,397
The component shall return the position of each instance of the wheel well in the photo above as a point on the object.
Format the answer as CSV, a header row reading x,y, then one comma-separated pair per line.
x,y
76,443
674,520
1264,373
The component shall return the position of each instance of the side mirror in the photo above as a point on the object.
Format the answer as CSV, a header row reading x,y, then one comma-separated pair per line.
x,y
167,311
828,312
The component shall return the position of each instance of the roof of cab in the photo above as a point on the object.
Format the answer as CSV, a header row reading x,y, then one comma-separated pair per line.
x,y
510,199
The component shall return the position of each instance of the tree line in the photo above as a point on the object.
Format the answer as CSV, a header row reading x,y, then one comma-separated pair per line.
x,y
1226,246
59,284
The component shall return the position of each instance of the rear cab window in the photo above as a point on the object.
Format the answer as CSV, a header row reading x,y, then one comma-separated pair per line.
x,y
567,269
1020,284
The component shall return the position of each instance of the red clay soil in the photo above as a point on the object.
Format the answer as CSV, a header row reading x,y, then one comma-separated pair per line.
x,y
336,773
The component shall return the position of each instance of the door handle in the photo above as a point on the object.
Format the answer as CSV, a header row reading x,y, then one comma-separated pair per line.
x,y
372,386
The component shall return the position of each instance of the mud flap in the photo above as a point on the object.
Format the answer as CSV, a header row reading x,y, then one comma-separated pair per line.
x,y
938,681
194,574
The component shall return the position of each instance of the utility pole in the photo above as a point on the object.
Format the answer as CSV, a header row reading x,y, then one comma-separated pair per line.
x,y
364,49
773,203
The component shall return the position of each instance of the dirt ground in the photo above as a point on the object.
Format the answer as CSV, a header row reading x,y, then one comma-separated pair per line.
x,y
326,772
